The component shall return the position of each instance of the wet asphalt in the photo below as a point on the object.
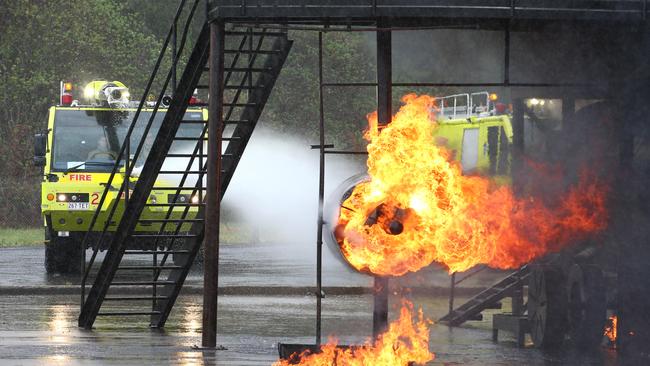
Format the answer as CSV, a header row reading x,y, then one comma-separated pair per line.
x,y
40,327
240,265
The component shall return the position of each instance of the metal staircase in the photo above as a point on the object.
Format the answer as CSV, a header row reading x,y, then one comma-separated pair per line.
x,y
151,242
486,299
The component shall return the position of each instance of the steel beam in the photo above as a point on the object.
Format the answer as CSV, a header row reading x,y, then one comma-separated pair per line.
x,y
213,188
343,11
384,113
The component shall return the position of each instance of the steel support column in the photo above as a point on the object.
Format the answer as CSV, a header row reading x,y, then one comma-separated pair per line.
x,y
321,193
380,310
384,73
384,113
213,194
568,110
517,143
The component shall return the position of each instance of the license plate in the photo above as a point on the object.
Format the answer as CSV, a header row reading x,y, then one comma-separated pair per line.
x,y
78,205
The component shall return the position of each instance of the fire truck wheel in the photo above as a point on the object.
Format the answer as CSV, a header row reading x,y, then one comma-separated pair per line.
x,y
587,307
546,306
62,254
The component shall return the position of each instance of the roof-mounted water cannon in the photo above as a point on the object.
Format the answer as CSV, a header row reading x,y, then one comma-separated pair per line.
x,y
111,94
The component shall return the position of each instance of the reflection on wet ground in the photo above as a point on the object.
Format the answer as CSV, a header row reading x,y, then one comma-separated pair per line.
x,y
40,329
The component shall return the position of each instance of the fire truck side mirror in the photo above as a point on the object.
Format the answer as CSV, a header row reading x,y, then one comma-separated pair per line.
x,y
40,148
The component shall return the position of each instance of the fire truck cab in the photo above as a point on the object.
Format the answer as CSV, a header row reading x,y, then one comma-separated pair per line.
x,y
78,152
478,132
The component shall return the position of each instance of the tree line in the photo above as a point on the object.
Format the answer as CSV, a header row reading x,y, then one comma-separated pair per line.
x,y
45,41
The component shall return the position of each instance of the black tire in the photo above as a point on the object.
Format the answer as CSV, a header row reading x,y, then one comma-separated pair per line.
x,y
587,306
547,306
62,254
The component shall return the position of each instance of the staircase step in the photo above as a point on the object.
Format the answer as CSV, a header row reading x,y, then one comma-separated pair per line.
x,y
150,252
193,122
128,313
187,155
186,236
256,33
240,104
191,138
175,204
134,298
182,172
233,87
170,220
243,87
177,188
253,52
236,121
247,69
143,283
145,268
204,138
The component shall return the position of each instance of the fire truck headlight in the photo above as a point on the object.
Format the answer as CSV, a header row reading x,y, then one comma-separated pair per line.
x,y
89,92
195,199
62,197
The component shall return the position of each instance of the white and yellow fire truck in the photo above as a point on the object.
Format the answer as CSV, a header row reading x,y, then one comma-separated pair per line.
x,y
478,132
78,151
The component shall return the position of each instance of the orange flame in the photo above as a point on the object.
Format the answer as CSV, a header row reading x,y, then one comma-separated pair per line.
x,y
423,210
405,342
610,328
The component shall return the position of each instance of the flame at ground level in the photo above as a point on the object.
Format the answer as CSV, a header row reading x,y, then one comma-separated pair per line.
x,y
611,328
405,342
418,208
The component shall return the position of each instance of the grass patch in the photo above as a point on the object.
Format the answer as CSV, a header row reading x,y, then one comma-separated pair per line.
x,y
20,237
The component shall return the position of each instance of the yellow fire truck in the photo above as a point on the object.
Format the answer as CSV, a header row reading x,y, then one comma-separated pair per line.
x,y
77,154
478,132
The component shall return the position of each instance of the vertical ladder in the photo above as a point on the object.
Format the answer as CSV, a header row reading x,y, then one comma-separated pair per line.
x,y
170,228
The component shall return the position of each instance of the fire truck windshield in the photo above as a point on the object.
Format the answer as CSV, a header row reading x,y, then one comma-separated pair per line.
x,y
90,140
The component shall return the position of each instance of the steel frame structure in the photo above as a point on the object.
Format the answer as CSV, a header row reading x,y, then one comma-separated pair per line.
x,y
384,17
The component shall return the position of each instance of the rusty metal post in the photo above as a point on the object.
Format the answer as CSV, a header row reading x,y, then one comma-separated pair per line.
x,y
384,113
213,187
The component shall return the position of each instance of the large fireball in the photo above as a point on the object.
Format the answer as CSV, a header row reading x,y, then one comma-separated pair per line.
x,y
417,208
